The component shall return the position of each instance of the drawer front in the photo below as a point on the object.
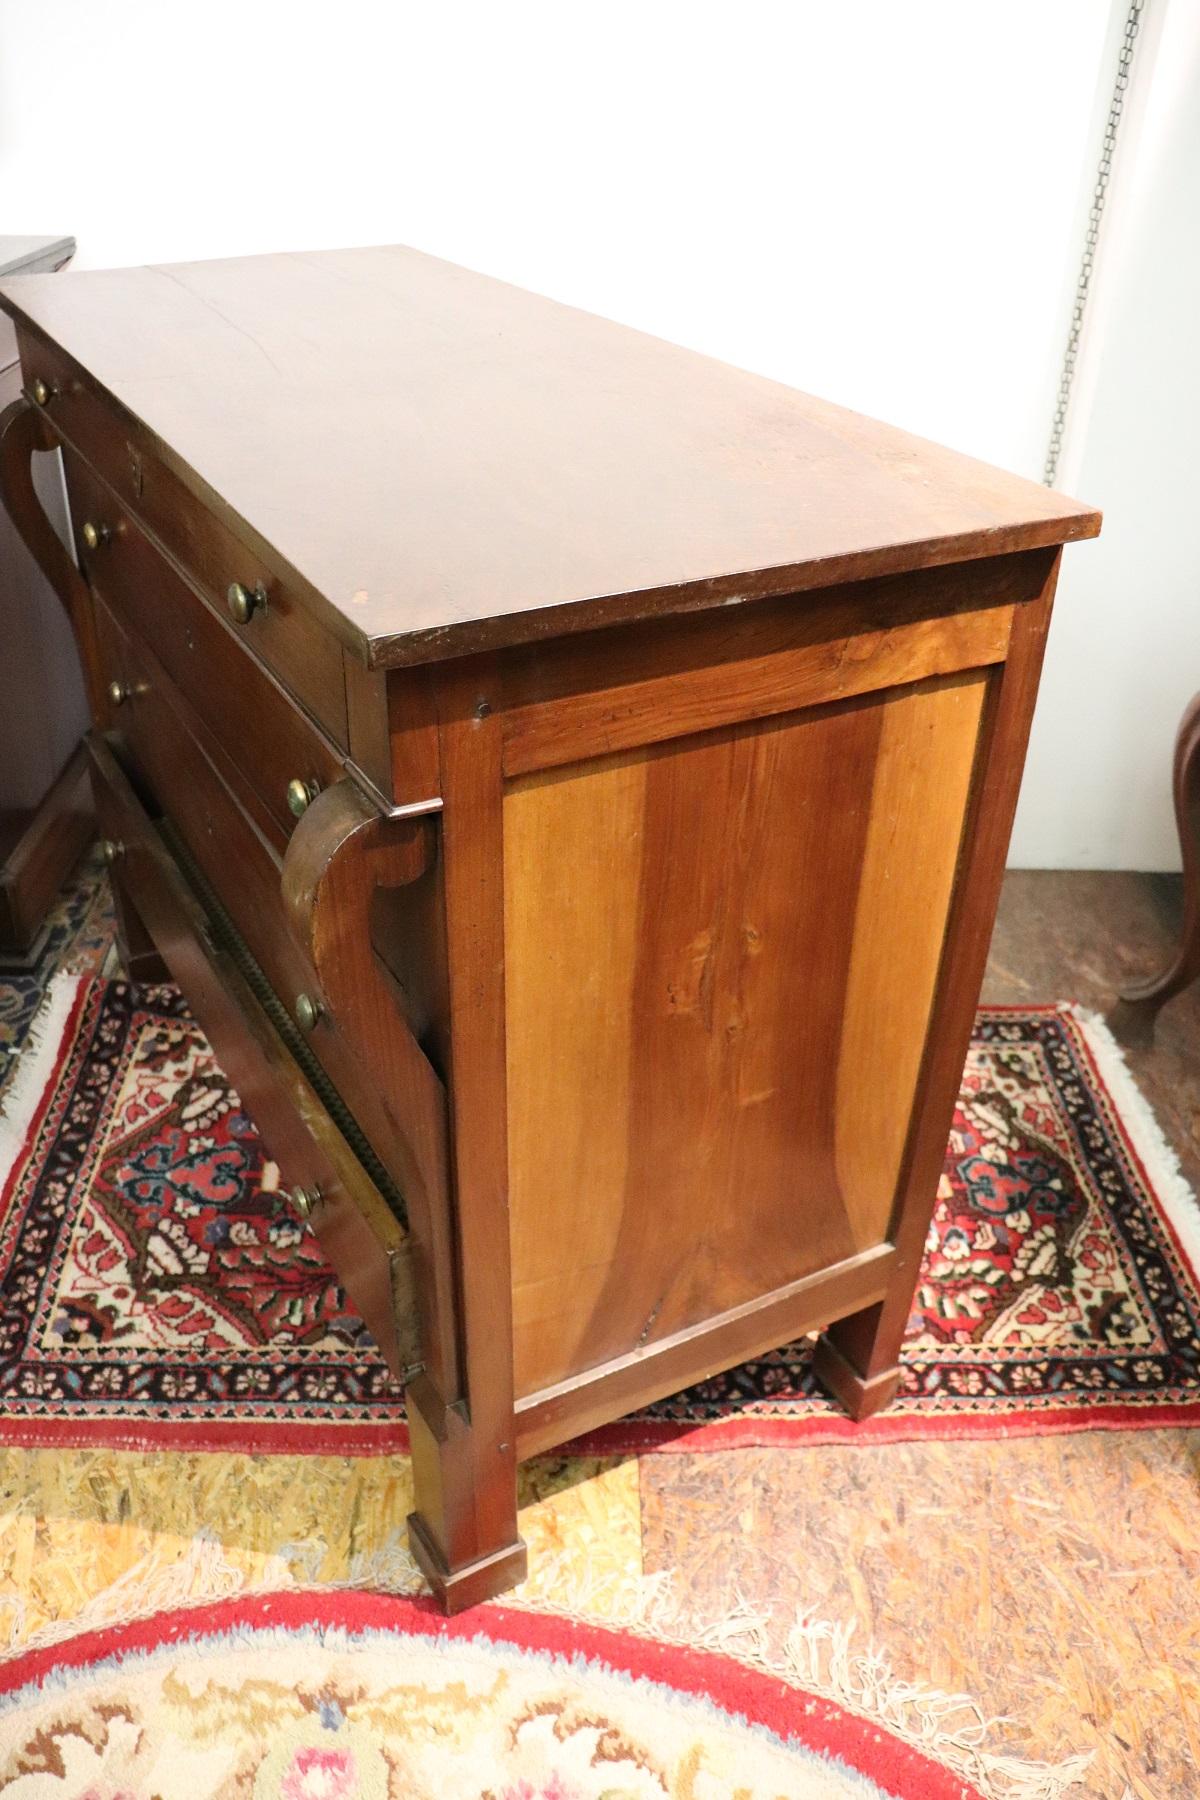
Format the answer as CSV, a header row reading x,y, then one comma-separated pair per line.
x,y
254,721
357,1228
282,634
185,776
180,780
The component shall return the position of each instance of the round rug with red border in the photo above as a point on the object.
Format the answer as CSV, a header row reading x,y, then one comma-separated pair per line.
x,y
324,1696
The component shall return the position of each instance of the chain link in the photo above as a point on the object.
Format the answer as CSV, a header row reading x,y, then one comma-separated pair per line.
x,y
1116,107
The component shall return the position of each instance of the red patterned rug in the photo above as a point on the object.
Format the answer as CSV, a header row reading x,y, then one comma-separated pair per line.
x,y
154,1289
327,1696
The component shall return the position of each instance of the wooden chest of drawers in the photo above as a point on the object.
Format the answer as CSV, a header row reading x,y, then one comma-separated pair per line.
x,y
571,781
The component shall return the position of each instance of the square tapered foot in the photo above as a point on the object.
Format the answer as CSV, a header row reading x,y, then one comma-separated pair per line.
x,y
859,1396
457,1589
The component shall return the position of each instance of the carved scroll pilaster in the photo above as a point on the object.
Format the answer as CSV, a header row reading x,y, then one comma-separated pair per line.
x,y
341,855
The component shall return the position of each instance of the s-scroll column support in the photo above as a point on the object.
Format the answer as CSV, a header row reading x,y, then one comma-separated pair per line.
x,y
341,854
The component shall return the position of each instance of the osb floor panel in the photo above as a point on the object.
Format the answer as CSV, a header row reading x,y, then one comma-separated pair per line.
x,y
1055,1580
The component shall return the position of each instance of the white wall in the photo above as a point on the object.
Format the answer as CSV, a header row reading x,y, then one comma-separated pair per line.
x,y
1124,652
880,203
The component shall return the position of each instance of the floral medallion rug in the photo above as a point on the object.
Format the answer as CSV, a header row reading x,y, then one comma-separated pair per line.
x,y
324,1696
155,1290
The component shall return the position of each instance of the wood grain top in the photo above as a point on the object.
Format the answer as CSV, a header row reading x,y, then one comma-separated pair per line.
x,y
444,463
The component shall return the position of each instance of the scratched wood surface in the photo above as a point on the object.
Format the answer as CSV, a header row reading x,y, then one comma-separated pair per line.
x,y
505,467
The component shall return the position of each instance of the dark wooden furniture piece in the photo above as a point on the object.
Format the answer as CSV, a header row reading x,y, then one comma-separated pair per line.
x,y
45,805
1147,997
571,780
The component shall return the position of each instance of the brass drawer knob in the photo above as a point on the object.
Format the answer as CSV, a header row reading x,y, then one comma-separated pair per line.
x,y
244,602
118,693
40,391
304,1201
95,535
308,1011
111,849
301,794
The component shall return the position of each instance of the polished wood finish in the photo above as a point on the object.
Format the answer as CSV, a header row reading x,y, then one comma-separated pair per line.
x,y
467,1457
639,960
281,633
1146,997
723,1340
869,1341
642,686
713,923
248,712
343,857
507,469
188,777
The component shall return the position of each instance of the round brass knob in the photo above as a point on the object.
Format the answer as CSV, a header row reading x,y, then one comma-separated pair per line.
x,y
95,535
301,794
118,693
40,392
304,1200
110,850
244,602
308,1011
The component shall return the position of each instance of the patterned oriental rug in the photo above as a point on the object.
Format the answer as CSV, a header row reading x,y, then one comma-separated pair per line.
x,y
155,1291
324,1696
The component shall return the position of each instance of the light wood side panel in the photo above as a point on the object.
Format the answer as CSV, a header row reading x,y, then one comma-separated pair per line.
x,y
922,781
568,997
691,1041
650,691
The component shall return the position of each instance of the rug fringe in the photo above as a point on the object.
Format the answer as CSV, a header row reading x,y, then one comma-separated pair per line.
x,y
154,1584
1149,1141
22,1087
816,1656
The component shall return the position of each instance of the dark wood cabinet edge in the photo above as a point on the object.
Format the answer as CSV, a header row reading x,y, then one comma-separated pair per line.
x,y
587,612
444,643
55,837
869,1340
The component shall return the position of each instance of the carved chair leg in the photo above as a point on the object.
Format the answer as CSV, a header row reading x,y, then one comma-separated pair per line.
x,y
1149,996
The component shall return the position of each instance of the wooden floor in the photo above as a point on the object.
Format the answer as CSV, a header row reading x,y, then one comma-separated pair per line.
x,y
1054,1580
1082,936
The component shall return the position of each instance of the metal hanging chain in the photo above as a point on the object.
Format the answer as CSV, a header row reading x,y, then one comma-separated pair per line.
x,y
1116,107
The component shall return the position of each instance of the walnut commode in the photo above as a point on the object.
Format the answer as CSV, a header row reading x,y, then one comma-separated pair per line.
x,y
570,780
